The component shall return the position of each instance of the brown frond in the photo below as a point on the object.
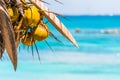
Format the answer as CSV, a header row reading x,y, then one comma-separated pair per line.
x,y
55,21
2,46
37,51
53,36
58,1
8,34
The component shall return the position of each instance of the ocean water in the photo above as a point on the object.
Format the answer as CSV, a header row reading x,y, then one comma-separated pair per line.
x,y
97,58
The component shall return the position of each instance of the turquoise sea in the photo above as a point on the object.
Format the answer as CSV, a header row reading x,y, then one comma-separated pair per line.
x,y
97,58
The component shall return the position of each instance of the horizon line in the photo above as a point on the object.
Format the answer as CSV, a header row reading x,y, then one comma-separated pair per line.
x,y
88,15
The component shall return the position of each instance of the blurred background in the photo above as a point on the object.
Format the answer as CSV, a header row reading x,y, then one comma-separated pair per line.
x,y
95,26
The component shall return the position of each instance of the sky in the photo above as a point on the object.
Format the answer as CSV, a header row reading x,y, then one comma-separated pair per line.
x,y
86,7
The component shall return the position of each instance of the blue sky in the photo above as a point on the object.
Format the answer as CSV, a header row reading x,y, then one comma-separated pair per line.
x,y
86,7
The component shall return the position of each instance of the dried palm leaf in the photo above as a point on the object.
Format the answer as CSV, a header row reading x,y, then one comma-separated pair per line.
x,y
8,34
54,20
2,46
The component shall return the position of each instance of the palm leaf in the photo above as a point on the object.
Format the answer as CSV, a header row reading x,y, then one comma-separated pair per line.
x,y
8,34
55,21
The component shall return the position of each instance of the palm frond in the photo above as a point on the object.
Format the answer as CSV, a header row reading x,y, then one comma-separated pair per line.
x,y
8,34
58,1
55,21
